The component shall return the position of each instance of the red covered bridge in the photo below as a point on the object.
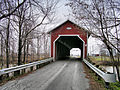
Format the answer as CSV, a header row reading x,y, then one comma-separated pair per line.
x,y
66,36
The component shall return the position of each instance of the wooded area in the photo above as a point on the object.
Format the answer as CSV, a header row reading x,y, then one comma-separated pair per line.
x,y
23,36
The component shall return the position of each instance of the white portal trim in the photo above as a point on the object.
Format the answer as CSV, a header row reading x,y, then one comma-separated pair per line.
x,y
68,35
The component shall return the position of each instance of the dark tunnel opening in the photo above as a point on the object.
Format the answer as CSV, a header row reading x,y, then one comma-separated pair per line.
x,y
64,44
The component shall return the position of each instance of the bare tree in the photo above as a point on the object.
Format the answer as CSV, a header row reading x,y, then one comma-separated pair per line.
x,y
38,47
1,55
4,10
20,26
45,10
13,47
45,36
101,18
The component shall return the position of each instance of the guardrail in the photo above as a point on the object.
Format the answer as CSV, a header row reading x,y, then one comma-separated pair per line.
x,y
106,76
17,68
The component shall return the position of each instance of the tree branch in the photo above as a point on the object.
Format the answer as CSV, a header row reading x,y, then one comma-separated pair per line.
x,y
6,15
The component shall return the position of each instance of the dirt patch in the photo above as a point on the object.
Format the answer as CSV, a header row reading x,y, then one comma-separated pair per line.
x,y
94,83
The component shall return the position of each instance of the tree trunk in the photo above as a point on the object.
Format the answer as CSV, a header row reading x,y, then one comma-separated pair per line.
x,y
13,48
38,48
118,73
24,60
19,49
19,45
13,59
44,45
7,43
27,51
19,52
2,63
112,58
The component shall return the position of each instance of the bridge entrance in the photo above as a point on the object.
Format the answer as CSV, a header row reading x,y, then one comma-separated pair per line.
x,y
66,36
64,43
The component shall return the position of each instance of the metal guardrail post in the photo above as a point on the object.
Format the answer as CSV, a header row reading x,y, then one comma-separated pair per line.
x,y
37,66
107,84
31,68
16,73
23,71
1,77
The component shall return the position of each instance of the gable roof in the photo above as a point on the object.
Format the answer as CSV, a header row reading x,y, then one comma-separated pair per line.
x,y
66,22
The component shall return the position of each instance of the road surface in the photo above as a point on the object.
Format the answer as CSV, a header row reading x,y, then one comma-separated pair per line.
x,y
60,75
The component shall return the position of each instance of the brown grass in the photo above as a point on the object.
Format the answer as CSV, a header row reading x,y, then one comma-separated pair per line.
x,y
14,62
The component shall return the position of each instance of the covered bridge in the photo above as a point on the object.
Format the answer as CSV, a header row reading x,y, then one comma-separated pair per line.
x,y
66,36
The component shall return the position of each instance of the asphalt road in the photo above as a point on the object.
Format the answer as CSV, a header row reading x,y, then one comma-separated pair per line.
x,y
60,75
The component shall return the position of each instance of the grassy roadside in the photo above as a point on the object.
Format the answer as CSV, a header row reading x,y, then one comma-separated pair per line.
x,y
98,83
95,83
101,58
112,86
